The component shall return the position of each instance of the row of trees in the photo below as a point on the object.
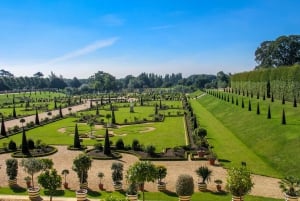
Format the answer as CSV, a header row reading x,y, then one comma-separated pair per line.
x,y
103,82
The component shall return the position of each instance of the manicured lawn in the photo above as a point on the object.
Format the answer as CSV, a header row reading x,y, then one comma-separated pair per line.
x,y
154,196
229,148
165,134
278,145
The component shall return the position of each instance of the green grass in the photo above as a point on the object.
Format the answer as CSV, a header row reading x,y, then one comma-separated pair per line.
x,y
169,133
276,144
230,150
153,196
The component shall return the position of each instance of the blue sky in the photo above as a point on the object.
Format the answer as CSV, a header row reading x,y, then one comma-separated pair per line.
x,y
122,37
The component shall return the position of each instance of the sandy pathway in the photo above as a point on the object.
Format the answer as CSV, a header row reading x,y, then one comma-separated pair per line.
x,y
264,186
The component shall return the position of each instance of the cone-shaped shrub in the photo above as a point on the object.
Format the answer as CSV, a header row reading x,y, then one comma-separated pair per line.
x,y
295,102
232,100
283,100
97,110
283,120
60,112
272,98
113,118
37,120
264,96
257,108
25,149
14,112
237,101
243,105
249,106
269,112
107,150
76,143
3,130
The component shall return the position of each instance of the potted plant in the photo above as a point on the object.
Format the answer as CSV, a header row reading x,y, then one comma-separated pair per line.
x,y
50,180
218,183
141,172
204,173
239,182
32,166
290,187
100,175
117,175
65,172
132,191
81,164
161,174
12,171
212,157
28,181
184,187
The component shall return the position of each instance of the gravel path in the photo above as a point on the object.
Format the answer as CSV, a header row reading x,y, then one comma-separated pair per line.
x,y
63,159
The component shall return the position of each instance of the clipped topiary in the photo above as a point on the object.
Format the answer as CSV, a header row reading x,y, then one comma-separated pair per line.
x,y
184,185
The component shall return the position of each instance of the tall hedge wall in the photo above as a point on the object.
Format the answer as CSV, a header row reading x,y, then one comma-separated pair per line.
x,y
283,81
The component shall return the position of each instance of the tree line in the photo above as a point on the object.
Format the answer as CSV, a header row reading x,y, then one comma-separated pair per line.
x,y
105,82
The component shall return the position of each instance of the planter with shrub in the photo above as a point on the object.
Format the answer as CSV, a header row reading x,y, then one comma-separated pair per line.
x,y
184,187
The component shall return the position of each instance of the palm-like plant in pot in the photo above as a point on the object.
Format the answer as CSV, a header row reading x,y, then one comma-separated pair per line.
x,y
239,182
184,187
12,171
65,172
100,176
290,187
117,175
205,174
161,172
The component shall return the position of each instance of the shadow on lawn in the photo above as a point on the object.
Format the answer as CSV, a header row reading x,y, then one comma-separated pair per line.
x,y
18,189
170,193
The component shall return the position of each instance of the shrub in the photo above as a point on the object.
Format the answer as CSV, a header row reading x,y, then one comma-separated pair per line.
x,y
12,168
30,144
12,145
184,185
150,149
98,146
120,144
135,145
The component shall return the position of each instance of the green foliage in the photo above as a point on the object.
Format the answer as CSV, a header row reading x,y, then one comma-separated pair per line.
x,y
107,150
12,168
290,185
204,173
81,164
32,166
47,164
184,185
120,144
239,181
161,173
50,180
117,172
76,143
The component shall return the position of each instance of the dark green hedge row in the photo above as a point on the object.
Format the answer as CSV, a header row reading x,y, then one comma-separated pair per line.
x,y
283,81
19,154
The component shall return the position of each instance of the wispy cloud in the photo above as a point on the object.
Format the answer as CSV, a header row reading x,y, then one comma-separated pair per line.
x,y
112,20
168,26
85,50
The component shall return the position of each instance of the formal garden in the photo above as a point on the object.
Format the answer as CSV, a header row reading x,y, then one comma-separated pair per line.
x,y
137,146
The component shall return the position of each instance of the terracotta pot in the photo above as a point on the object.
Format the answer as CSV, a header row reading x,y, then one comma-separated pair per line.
x,y
81,194
34,193
100,186
28,184
66,185
212,161
201,154
185,198
161,186
12,182
132,197
219,187
202,186
141,187
290,198
237,198
117,186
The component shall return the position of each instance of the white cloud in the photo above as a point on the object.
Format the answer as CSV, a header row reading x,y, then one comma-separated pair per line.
x,y
85,50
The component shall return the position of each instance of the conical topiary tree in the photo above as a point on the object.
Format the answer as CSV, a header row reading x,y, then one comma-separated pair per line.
x,y
243,105
257,108
3,130
37,120
60,112
249,106
269,112
113,118
107,150
76,143
283,100
25,149
14,112
283,120
295,102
